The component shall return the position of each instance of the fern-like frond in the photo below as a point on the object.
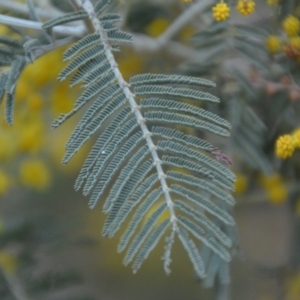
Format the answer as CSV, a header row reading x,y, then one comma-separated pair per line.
x,y
81,45
193,252
202,159
203,203
113,166
202,185
109,150
143,233
3,79
179,119
99,146
179,136
176,92
170,79
184,108
93,126
211,227
111,225
81,60
66,18
194,167
127,165
138,216
119,36
101,5
110,18
200,234
150,243
124,175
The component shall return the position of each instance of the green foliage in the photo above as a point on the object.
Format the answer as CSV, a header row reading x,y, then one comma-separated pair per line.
x,y
125,158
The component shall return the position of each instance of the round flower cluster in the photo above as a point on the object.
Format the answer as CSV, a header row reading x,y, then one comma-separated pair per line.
x,y
273,44
276,189
245,7
291,25
221,11
287,144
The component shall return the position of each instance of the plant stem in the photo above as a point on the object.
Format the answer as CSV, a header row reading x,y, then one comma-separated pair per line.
x,y
88,7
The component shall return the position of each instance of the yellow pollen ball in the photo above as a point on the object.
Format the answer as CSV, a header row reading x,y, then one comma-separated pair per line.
x,y
221,12
245,7
284,146
273,44
35,174
291,25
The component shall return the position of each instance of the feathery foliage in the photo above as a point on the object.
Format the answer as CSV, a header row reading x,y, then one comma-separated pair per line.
x,y
131,157
119,159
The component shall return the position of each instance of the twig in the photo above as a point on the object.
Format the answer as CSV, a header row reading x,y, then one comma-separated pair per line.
x,y
181,21
21,8
76,31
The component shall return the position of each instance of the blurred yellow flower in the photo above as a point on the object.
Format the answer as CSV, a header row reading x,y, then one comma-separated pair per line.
x,y
275,187
35,174
245,7
157,27
291,25
277,194
62,100
35,102
241,184
273,44
8,262
31,137
8,146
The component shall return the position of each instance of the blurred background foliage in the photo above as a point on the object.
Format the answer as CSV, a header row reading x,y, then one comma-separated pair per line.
x,y
50,245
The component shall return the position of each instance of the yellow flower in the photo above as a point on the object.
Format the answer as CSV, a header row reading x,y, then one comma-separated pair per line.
x,y
275,188
284,146
291,25
62,100
245,7
35,174
240,184
277,194
221,12
271,2
35,102
5,183
296,138
273,44
31,137
8,262
157,27
292,48
8,146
